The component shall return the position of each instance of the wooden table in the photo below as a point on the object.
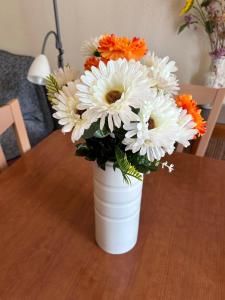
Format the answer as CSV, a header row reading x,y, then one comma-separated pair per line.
x,y
47,246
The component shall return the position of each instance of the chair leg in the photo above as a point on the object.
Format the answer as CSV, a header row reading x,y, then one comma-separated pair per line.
x,y
19,126
211,122
3,162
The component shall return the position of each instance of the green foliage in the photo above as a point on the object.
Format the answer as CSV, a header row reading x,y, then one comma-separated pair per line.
x,y
82,150
209,27
102,133
101,146
182,27
125,166
95,131
99,149
52,88
141,162
89,133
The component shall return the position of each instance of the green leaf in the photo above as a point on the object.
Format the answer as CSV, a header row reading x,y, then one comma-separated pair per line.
x,y
82,150
89,133
119,134
141,162
102,133
52,88
182,27
125,167
209,26
85,151
101,161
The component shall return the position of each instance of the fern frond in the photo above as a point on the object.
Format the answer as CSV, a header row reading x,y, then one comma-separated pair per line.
x,y
52,88
125,166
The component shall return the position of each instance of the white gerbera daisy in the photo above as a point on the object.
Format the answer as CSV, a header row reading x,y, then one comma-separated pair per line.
x,y
65,75
187,129
89,47
161,75
110,91
155,134
68,114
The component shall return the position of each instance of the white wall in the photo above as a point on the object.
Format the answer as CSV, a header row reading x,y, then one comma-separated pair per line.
x,y
23,24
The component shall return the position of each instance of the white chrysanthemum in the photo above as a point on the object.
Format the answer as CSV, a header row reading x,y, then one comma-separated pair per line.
x,y
187,129
65,75
161,75
155,134
110,91
89,47
68,114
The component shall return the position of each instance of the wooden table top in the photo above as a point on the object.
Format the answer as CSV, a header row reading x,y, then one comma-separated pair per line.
x,y
47,246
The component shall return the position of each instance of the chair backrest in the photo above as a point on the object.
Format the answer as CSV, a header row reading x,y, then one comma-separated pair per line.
x,y
205,96
10,115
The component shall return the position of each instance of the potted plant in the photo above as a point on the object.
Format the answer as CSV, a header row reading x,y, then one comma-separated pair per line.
x,y
209,15
123,108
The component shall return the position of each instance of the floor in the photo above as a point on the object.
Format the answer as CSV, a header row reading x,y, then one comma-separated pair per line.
x,y
216,148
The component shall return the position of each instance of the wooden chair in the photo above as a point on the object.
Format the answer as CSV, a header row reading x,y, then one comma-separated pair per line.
x,y
205,96
10,115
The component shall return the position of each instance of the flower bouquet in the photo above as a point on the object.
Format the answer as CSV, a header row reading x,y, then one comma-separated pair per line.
x,y
210,15
124,109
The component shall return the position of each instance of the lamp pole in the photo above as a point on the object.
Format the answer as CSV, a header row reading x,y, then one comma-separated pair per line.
x,y
40,67
57,35
59,46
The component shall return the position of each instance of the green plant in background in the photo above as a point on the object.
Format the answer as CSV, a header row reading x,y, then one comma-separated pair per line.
x,y
210,15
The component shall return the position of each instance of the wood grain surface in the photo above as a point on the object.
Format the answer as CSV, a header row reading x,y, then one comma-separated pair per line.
x,y
47,246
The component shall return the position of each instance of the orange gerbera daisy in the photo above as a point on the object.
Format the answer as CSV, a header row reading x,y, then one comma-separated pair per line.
x,y
138,49
122,47
93,61
189,104
113,47
90,62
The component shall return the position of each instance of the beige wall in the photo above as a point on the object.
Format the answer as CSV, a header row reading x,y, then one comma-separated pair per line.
x,y
23,24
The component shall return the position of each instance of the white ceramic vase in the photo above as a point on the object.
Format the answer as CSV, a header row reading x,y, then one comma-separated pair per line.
x,y
216,76
117,210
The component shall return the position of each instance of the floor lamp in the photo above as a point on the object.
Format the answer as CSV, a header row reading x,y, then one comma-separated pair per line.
x,y
40,68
